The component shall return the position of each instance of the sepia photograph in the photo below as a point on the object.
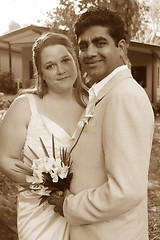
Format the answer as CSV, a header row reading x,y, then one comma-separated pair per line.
x,y
80,120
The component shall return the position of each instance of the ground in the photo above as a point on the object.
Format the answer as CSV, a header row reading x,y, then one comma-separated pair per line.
x,y
8,196
154,186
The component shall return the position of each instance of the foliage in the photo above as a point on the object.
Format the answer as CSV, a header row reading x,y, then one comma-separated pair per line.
x,y
7,84
157,107
154,186
140,16
4,104
149,31
129,10
48,174
8,222
62,18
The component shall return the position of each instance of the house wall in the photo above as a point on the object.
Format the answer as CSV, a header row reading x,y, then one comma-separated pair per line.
x,y
26,59
158,79
21,67
16,59
143,59
4,61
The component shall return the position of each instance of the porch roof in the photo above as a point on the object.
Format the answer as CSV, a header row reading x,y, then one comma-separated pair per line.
x,y
145,48
25,37
22,37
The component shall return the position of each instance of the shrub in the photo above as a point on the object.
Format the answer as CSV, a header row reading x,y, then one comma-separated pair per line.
x,y
157,107
4,104
7,84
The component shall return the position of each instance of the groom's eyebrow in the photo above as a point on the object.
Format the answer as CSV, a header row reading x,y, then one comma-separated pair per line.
x,y
94,40
97,39
83,42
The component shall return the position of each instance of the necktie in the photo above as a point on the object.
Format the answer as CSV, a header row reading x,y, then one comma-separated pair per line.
x,y
91,103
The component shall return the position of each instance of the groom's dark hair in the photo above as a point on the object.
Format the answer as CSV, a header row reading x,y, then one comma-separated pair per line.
x,y
102,16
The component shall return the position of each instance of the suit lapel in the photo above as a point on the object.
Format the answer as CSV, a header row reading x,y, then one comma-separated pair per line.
x,y
113,82
103,92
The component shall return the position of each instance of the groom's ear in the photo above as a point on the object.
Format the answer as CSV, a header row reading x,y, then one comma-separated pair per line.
x,y
122,46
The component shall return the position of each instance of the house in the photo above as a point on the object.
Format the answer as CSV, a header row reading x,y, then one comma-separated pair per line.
x,y
16,53
145,60
16,57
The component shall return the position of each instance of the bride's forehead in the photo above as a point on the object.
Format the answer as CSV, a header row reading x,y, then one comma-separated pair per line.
x,y
55,51
54,48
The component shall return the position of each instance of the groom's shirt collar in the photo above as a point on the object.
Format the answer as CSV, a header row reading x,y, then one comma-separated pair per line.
x,y
98,86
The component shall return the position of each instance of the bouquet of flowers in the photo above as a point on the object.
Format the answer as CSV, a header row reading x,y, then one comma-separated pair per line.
x,y
47,174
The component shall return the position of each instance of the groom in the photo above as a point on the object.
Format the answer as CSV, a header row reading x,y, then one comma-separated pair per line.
x,y
108,199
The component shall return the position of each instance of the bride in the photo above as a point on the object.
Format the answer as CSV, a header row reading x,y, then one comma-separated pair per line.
x,y
54,106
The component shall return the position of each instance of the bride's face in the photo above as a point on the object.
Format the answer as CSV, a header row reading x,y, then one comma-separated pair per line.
x,y
58,68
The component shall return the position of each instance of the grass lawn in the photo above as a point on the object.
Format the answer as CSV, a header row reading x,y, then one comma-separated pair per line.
x,y
154,186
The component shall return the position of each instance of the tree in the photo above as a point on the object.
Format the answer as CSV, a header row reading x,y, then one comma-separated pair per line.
x,y
13,26
150,17
128,9
141,17
61,19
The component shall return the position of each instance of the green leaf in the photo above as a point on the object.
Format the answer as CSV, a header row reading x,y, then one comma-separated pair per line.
x,y
64,156
25,185
21,184
23,166
46,176
53,147
53,189
44,148
43,199
28,159
68,181
36,156
23,190
23,169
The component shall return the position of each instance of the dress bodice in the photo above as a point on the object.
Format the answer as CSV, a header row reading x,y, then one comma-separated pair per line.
x,y
41,126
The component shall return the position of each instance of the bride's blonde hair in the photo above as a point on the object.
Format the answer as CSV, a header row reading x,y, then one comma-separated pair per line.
x,y
43,41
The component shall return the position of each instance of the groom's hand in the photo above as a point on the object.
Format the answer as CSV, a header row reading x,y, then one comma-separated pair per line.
x,y
59,205
57,199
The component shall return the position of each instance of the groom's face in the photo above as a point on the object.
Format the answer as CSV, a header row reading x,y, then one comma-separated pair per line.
x,y
98,54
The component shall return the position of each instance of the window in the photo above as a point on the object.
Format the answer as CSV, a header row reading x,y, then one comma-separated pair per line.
x,y
139,73
158,78
30,69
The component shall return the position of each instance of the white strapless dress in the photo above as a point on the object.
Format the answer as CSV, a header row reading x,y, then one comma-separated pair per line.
x,y
34,221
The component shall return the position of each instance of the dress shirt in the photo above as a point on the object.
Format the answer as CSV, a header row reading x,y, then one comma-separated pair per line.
x,y
94,90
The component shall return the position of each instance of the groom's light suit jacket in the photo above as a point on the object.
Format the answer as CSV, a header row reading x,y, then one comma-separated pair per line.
x,y
110,166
